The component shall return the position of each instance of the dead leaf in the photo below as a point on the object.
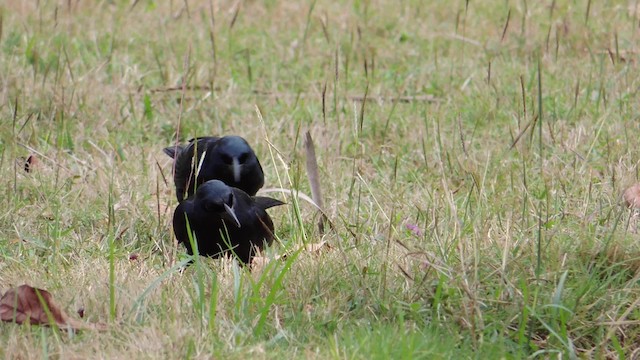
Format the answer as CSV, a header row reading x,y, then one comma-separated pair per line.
x,y
36,306
259,261
31,162
631,196
314,178
634,10
316,247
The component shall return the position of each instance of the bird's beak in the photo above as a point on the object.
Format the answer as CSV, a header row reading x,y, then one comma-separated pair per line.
x,y
236,168
232,214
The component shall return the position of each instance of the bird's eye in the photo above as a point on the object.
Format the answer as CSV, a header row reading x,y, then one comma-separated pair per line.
x,y
243,157
226,159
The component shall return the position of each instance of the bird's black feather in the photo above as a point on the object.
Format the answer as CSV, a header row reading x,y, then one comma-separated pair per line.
x,y
215,230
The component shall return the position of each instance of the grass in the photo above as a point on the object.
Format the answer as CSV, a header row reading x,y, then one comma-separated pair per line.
x,y
479,217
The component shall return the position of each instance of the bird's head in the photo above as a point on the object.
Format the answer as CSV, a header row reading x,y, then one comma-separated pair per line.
x,y
235,154
216,197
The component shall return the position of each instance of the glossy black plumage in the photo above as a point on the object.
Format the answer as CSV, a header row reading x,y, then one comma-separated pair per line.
x,y
228,158
224,218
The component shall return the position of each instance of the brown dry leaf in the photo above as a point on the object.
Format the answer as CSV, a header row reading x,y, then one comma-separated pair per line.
x,y
634,10
314,178
259,261
316,247
631,196
31,163
36,306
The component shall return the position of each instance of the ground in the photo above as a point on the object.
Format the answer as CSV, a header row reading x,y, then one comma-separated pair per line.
x,y
472,157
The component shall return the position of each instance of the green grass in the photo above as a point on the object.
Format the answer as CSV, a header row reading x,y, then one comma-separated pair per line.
x,y
510,179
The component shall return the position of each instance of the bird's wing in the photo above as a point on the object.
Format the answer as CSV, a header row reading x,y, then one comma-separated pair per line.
x,y
180,225
204,138
265,202
186,165
173,151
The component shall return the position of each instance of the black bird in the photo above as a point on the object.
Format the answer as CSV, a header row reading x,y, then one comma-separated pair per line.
x,y
223,219
228,158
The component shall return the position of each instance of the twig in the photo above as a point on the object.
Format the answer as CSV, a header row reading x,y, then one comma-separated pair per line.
x,y
181,88
359,98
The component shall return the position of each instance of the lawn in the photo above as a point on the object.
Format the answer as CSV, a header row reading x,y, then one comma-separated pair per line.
x,y
472,157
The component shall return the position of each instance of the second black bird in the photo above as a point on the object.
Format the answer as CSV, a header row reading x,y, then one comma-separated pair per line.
x,y
224,219
228,158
